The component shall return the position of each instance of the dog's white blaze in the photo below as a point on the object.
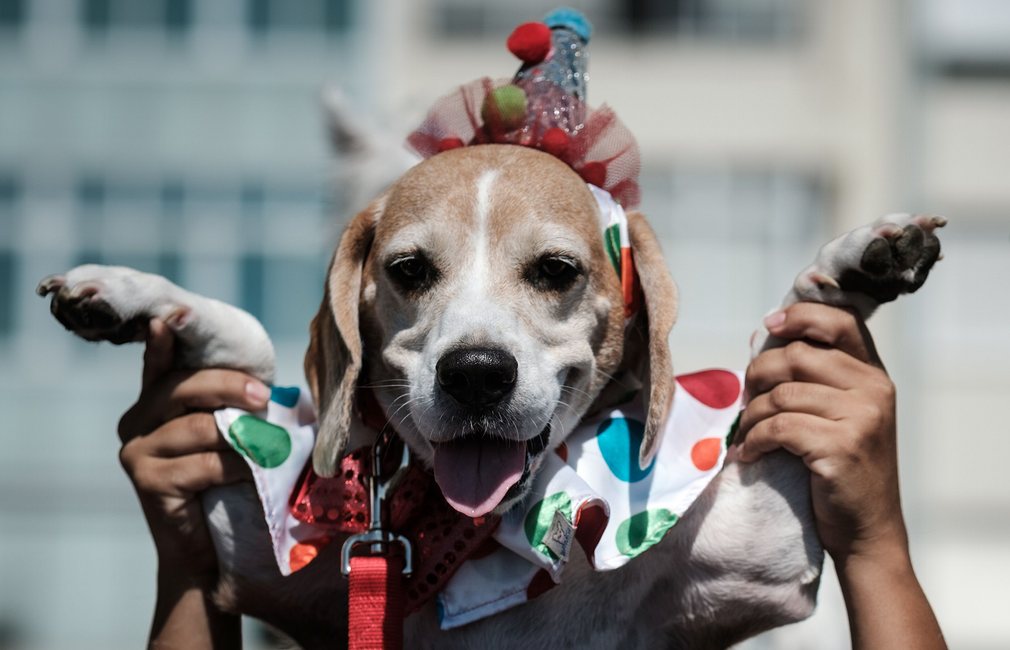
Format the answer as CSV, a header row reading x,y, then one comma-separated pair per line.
x,y
479,271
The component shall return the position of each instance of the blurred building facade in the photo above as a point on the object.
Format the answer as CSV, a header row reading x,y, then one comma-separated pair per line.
x,y
187,138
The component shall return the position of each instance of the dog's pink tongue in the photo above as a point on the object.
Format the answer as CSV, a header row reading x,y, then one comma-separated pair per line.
x,y
475,473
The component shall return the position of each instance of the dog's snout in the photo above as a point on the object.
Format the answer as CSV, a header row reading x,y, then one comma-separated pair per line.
x,y
477,377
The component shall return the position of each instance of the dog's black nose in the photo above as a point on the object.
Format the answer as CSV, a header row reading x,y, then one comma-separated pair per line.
x,y
477,377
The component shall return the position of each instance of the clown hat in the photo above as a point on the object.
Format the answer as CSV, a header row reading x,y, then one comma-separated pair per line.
x,y
544,107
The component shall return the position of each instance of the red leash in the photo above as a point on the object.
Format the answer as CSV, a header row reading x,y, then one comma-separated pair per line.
x,y
375,603
390,575
375,598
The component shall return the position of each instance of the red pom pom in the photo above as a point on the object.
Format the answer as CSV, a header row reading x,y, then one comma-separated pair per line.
x,y
555,141
530,42
445,144
594,173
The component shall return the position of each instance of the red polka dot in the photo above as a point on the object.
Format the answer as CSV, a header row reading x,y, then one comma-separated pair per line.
x,y
716,389
705,453
562,451
590,522
540,583
304,552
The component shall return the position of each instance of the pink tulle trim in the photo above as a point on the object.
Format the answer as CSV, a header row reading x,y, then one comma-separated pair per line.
x,y
602,150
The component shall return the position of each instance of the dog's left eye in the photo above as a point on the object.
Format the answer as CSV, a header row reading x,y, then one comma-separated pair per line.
x,y
553,272
412,272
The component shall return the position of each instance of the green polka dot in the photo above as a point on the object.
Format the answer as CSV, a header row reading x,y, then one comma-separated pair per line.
x,y
732,430
540,516
639,532
265,444
612,244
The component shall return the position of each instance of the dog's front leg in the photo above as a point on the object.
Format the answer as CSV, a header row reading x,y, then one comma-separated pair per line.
x,y
755,558
867,267
115,303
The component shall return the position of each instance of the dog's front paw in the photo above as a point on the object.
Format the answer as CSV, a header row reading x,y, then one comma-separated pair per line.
x,y
873,264
109,303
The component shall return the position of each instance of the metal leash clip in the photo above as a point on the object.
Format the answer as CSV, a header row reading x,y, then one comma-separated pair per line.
x,y
377,537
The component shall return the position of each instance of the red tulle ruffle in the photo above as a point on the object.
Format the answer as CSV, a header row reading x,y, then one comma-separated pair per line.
x,y
601,149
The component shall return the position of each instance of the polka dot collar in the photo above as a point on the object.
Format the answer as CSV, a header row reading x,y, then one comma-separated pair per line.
x,y
591,490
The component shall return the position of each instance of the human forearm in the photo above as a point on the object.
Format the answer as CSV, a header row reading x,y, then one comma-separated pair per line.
x,y
185,617
826,397
886,605
171,455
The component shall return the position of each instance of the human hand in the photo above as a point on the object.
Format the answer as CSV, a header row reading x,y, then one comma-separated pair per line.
x,y
172,452
826,398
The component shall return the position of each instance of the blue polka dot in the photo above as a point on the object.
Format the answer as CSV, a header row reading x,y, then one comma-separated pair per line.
x,y
285,395
620,440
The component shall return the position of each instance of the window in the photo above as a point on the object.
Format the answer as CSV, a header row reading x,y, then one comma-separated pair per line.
x,y
9,282
95,15
251,262
251,274
734,238
91,199
10,195
280,269
743,20
91,194
282,291
12,14
264,254
966,39
729,20
323,16
490,18
292,288
172,207
178,15
174,17
735,204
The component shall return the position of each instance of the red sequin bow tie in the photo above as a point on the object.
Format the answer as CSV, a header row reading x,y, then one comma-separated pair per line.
x,y
442,538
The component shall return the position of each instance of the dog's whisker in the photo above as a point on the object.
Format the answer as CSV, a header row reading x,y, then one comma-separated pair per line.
x,y
417,400
396,400
386,382
606,375
577,391
398,409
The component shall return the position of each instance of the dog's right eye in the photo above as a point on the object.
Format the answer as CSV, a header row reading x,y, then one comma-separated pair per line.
x,y
412,272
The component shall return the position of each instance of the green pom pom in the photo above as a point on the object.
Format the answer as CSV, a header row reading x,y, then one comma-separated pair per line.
x,y
505,108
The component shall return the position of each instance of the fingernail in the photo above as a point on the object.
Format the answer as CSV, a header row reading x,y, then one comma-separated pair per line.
x,y
257,392
775,319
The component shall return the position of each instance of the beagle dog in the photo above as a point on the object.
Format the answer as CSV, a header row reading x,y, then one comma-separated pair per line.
x,y
476,297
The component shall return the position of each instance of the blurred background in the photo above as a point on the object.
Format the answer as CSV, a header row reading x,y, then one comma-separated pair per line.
x,y
188,139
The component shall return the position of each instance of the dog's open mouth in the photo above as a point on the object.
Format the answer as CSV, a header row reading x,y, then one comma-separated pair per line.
x,y
477,472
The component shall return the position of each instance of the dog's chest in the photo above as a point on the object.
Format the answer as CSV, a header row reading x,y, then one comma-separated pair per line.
x,y
590,609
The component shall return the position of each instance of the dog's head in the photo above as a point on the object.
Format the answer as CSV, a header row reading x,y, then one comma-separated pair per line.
x,y
475,298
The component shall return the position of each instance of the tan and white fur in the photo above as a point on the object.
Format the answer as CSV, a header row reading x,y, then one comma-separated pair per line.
x,y
490,223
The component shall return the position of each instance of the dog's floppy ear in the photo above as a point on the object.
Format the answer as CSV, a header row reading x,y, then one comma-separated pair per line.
x,y
652,330
333,360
